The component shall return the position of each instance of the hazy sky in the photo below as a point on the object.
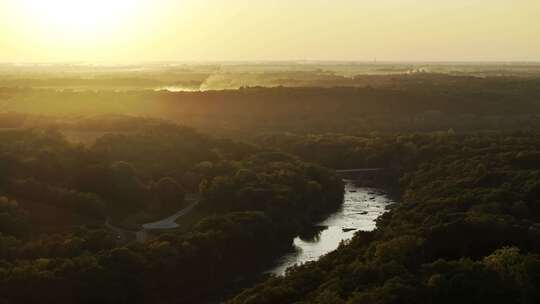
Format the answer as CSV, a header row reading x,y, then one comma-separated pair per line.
x,y
155,30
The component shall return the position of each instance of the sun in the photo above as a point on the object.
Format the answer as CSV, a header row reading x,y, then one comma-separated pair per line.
x,y
80,17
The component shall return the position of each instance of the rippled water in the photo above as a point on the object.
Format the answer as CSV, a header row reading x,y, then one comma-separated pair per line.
x,y
361,207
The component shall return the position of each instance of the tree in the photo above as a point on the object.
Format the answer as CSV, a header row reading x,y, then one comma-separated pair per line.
x,y
126,188
169,193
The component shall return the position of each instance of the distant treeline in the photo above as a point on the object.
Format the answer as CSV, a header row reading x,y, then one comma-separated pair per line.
x,y
428,102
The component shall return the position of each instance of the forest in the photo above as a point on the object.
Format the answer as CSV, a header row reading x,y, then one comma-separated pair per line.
x,y
420,102
83,168
57,195
465,231
269,152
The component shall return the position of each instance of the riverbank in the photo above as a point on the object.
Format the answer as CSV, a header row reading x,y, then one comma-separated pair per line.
x,y
360,209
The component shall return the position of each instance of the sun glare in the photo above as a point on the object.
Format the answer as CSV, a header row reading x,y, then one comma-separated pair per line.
x,y
79,17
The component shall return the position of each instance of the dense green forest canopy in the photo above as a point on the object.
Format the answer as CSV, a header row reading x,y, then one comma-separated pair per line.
x,y
404,103
77,165
56,197
468,220
467,230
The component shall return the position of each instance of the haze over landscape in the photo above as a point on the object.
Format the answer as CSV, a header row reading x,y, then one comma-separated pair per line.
x,y
269,152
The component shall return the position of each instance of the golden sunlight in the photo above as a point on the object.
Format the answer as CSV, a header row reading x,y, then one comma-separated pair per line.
x,y
75,18
237,30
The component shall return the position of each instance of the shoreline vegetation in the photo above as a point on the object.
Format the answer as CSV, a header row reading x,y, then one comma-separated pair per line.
x,y
439,243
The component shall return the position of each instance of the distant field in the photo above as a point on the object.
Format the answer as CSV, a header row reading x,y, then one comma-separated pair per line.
x,y
224,75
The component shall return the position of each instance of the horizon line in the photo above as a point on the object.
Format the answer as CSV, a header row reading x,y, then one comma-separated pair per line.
x,y
274,61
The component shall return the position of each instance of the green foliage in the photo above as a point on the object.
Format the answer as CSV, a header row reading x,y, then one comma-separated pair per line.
x,y
465,231
326,104
254,202
169,194
86,203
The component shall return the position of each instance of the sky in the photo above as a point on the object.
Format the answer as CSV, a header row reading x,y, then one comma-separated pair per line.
x,y
262,30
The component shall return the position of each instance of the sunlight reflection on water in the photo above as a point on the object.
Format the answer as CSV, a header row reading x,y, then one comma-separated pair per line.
x,y
361,207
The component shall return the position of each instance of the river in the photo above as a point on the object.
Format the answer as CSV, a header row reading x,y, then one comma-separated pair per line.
x,y
361,207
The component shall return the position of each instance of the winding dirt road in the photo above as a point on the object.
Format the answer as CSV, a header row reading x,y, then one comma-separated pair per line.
x,y
170,222
124,236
